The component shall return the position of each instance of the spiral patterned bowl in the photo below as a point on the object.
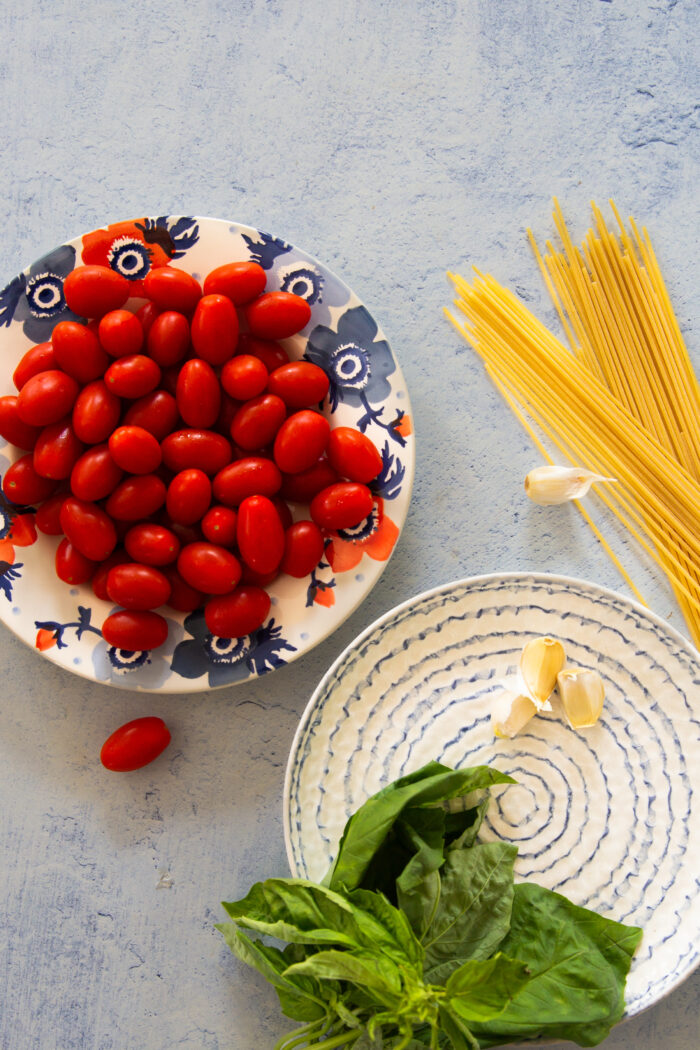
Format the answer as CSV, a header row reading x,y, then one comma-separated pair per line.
x,y
605,815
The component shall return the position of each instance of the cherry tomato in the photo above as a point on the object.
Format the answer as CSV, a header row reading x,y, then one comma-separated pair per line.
x,y
152,544
300,384
257,421
147,315
95,474
136,497
39,358
99,579
132,376
155,412
239,613
135,744
244,376
277,315
238,281
270,353
47,397
303,548
182,597
13,429
91,291
120,333
219,525
214,330
135,449
78,352
168,338
246,477
172,289
136,586
88,528
198,394
135,630
353,455
302,487
189,496
95,413
47,515
71,565
57,450
342,505
300,441
22,485
204,449
260,534
209,567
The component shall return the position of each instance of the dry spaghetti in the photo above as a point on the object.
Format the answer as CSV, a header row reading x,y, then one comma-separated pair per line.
x,y
623,401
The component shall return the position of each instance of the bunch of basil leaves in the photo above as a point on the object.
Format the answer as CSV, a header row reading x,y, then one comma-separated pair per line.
x,y
419,938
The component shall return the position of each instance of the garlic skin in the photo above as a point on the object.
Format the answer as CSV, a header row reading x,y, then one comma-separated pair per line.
x,y
510,713
582,694
541,660
550,485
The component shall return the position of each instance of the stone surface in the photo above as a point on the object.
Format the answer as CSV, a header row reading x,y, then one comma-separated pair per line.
x,y
394,142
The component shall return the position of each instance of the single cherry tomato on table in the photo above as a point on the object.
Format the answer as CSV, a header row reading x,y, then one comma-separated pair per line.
x,y
135,744
209,568
132,376
303,548
188,496
96,413
300,384
91,291
136,497
219,525
88,528
353,455
238,281
257,421
47,515
39,358
168,338
248,476
47,397
135,449
13,429
190,447
95,475
198,394
155,412
244,376
172,289
57,450
22,485
136,586
135,630
152,544
71,565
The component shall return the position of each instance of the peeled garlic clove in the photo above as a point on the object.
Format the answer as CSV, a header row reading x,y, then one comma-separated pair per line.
x,y
550,485
582,694
540,662
511,713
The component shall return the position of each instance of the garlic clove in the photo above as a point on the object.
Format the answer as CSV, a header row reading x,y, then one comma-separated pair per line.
x,y
551,485
511,713
541,660
582,694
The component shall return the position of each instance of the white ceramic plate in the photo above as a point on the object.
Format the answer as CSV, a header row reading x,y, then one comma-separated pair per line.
x,y
608,816
367,391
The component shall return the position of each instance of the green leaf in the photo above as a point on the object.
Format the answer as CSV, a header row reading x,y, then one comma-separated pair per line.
x,y
302,999
462,828
305,913
455,1029
482,988
395,922
369,826
579,962
473,913
372,970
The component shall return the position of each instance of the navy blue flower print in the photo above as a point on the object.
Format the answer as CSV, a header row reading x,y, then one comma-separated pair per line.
x,y
357,364
36,297
226,660
265,249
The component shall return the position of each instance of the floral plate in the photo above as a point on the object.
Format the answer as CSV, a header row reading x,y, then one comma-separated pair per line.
x,y
367,391
608,816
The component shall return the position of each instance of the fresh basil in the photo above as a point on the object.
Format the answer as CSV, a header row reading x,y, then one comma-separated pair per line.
x,y
419,939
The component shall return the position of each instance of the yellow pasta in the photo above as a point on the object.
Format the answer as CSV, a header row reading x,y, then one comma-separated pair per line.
x,y
622,400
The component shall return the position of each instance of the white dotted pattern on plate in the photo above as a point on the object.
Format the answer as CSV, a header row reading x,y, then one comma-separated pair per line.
x,y
604,815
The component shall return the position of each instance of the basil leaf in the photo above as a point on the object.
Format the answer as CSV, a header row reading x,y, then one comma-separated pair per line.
x,y
474,909
482,988
369,826
395,922
375,972
301,998
579,962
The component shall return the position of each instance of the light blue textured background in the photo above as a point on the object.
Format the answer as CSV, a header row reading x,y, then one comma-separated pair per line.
x,y
392,140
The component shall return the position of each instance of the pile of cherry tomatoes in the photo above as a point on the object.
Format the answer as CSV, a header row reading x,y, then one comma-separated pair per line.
x,y
165,444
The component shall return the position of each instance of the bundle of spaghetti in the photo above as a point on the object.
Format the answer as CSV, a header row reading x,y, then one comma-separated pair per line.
x,y
656,497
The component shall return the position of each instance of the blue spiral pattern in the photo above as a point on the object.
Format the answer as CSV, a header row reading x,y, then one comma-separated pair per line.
x,y
603,815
